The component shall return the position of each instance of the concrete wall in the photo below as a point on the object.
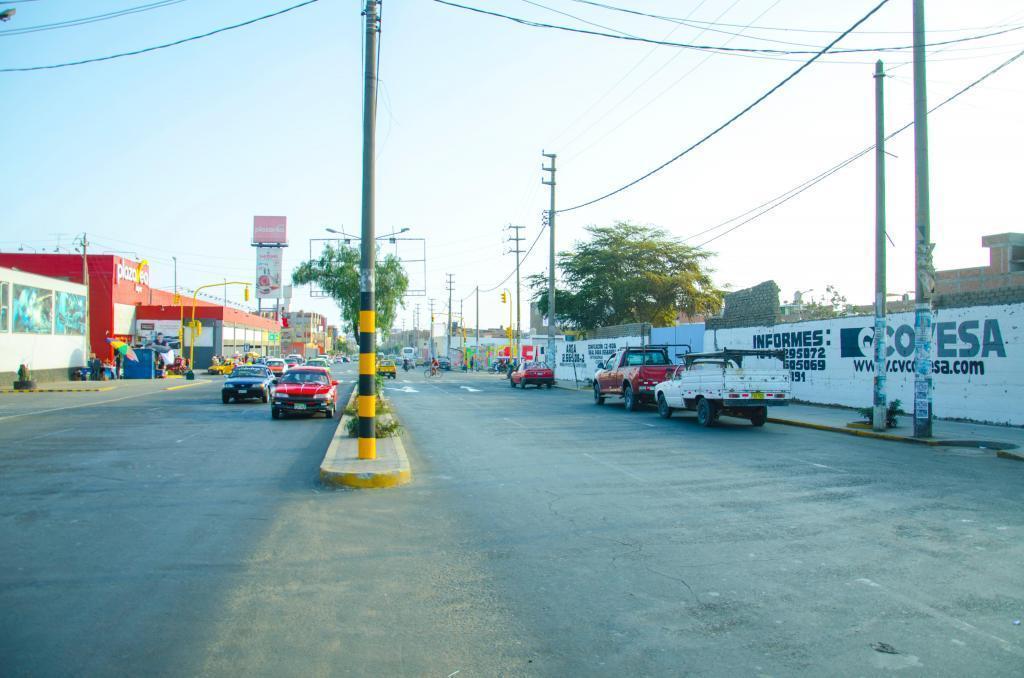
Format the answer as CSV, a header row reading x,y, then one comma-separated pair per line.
x,y
978,365
757,305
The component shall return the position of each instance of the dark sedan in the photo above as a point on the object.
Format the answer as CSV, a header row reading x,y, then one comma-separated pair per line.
x,y
248,381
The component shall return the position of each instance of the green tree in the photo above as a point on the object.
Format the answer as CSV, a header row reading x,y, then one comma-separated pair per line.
x,y
628,273
336,272
832,304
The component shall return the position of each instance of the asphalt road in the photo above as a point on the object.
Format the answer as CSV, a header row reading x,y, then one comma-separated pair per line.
x,y
168,534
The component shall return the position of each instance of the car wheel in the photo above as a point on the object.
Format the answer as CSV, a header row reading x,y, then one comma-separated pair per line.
x,y
628,399
512,382
598,398
275,413
663,409
706,412
759,416
330,412
550,384
224,398
265,396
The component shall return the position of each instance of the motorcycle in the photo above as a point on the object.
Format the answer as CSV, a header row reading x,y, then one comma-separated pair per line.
x,y
406,366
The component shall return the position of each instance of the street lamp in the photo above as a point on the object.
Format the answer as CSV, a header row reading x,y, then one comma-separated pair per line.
x,y
349,237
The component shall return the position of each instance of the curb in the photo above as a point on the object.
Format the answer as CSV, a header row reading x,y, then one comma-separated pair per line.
x,y
56,390
927,442
188,385
342,466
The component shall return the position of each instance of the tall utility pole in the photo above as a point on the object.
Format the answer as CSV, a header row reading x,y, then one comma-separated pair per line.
x,y
878,415
516,239
477,361
85,281
448,332
367,303
924,274
416,331
431,326
550,356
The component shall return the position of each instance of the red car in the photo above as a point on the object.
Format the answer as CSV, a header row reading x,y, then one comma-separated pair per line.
x,y
276,366
533,373
305,390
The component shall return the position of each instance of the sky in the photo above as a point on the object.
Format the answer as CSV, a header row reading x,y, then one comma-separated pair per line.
x,y
172,152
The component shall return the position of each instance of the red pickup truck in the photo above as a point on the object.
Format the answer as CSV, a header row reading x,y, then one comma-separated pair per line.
x,y
632,373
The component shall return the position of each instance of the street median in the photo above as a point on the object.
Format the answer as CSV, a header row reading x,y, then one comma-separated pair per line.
x,y
342,466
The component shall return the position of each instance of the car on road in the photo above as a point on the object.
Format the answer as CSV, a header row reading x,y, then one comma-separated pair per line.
x,y
276,366
632,372
445,364
535,373
720,383
387,368
318,362
292,362
305,390
247,382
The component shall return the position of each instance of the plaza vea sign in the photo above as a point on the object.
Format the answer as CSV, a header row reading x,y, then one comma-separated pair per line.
x,y
270,230
137,274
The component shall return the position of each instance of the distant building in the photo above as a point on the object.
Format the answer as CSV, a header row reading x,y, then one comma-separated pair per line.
x,y
305,333
1005,268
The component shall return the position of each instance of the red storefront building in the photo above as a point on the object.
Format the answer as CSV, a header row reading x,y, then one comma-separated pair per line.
x,y
123,305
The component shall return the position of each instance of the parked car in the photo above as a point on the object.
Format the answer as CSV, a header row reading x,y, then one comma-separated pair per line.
x,y
444,364
247,382
632,373
305,390
226,367
276,366
387,368
535,373
719,383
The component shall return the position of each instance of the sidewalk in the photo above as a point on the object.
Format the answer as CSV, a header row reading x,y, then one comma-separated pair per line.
x,y
945,432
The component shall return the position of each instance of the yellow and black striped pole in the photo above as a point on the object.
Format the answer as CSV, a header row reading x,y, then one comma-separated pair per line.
x,y
367,398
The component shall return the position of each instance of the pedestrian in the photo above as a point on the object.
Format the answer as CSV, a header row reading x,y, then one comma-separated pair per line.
x,y
118,363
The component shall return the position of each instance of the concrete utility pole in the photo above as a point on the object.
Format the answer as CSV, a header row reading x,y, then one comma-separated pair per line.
x,y
516,239
431,326
85,281
477,361
550,357
924,274
878,418
367,405
448,332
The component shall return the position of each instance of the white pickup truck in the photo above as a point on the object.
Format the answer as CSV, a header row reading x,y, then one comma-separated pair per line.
x,y
718,383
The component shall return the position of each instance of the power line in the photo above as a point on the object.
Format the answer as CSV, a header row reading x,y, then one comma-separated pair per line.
x,y
89,19
736,51
513,272
735,117
777,28
793,192
157,47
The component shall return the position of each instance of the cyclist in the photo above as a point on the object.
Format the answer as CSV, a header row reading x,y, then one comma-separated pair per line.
x,y
434,366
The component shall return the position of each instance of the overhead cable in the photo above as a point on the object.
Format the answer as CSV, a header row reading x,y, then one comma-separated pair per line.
x,y
793,192
718,48
157,47
734,118
70,23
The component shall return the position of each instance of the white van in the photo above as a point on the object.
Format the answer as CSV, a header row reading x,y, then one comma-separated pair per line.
x,y
409,353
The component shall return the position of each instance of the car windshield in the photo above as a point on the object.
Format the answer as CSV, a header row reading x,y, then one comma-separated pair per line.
x,y
646,358
248,372
304,378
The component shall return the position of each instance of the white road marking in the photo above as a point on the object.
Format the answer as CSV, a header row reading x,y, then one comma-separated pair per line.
x,y
471,389
615,466
513,422
191,435
404,389
75,407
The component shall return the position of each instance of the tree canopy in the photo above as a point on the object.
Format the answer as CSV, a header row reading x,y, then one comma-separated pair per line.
x,y
627,273
336,272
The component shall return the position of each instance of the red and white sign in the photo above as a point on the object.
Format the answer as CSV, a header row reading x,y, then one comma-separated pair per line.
x,y
268,272
528,353
270,230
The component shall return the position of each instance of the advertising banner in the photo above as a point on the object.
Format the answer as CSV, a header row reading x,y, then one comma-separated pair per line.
x,y
268,272
977,367
69,312
33,310
270,230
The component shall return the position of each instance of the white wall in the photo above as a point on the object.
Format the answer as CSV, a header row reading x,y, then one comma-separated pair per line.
x,y
978,360
39,351
577,360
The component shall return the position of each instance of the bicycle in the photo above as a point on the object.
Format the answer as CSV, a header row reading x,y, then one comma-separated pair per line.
x,y
430,372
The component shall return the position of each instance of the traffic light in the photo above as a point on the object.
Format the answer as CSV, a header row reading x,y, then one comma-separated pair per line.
x,y
246,293
504,297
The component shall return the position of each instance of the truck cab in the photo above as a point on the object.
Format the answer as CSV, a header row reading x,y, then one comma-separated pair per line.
x,y
632,373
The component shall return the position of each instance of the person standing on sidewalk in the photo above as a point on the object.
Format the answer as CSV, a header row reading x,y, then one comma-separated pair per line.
x,y
118,363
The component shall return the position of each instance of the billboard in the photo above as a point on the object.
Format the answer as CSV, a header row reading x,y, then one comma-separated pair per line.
x,y
268,272
33,310
270,230
69,313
